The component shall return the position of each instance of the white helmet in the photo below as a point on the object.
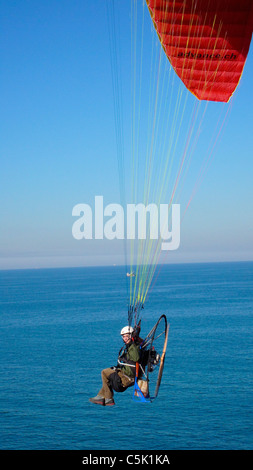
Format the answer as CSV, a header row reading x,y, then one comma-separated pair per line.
x,y
127,330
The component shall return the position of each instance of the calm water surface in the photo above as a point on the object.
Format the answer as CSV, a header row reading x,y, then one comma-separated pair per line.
x,y
60,327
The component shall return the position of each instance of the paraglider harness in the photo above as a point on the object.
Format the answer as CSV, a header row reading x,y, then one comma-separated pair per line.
x,y
114,379
147,359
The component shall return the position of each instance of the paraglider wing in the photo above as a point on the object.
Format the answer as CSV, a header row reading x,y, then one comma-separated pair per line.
x,y
206,41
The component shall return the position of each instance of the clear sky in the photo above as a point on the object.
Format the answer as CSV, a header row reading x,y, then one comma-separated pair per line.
x,y
58,141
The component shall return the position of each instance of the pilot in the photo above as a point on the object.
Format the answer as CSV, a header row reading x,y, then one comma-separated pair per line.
x,y
122,376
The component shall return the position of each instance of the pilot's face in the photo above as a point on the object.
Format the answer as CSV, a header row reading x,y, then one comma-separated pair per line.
x,y
126,338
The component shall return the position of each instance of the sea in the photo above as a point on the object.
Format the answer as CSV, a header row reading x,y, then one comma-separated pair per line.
x,y
60,327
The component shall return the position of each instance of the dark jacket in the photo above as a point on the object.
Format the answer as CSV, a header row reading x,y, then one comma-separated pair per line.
x,y
128,358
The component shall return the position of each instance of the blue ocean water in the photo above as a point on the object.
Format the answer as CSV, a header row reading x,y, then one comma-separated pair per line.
x,y
60,327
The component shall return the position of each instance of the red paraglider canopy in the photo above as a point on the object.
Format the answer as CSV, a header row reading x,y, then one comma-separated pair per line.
x,y
206,41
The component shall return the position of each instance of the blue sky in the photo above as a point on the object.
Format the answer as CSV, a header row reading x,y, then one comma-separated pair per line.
x,y
58,142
